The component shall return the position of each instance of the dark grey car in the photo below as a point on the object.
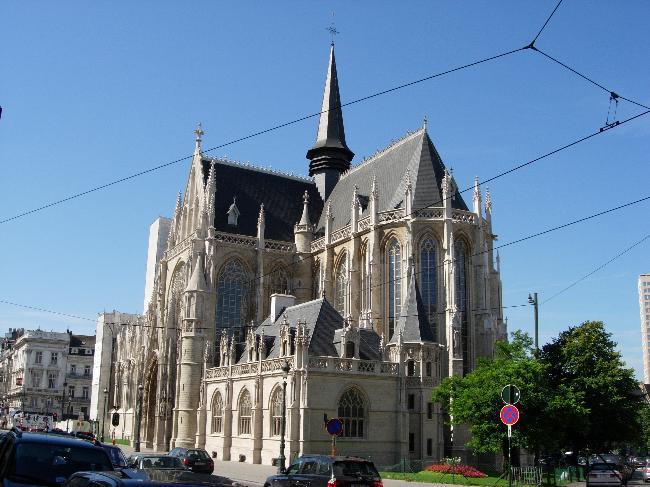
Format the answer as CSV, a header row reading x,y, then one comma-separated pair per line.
x,y
327,471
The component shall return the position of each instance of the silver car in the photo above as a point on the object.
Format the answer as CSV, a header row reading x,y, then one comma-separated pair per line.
x,y
604,474
645,471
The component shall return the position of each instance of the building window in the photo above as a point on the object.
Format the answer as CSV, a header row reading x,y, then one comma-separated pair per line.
x,y
411,442
341,286
87,371
54,358
429,447
349,349
73,369
429,410
410,368
429,282
429,369
217,413
276,412
394,261
279,281
84,412
71,391
365,279
245,413
84,392
232,296
51,380
352,414
38,359
316,280
411,399
70,410
460,273
36,377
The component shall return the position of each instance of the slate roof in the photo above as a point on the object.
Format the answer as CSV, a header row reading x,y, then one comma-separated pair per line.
x,y
413,322
368,343
282,196
414,152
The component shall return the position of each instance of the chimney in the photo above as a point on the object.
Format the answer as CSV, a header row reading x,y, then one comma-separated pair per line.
x,y
279,302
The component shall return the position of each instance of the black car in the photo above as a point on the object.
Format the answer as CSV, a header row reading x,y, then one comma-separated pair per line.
x,y
196,459
41,459
115,454
139,478
327,471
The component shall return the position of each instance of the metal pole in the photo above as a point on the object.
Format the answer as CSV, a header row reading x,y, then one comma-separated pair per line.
x,y
101,434
281,460
536,324
138,411
509,459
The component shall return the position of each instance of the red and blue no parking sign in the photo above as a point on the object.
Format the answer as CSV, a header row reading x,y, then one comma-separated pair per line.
x,y
509,414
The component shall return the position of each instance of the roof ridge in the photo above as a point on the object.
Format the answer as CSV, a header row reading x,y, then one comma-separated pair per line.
x,y
268,170
393,145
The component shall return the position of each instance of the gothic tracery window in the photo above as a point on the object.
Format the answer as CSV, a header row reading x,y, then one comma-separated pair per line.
x,y
245,413
461,261
341,286
217,413
316,294
394,264
352,412
232,296
276,412
279,281
365,279
429,281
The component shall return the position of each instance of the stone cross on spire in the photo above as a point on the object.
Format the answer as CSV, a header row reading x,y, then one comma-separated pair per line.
x,y
198,132
332,29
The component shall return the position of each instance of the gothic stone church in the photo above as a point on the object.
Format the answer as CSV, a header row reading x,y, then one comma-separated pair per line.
x,y
373,282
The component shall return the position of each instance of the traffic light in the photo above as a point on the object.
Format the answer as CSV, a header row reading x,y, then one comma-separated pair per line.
x,y
54,416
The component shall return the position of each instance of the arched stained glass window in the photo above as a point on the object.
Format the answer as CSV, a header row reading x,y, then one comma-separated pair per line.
x,y
365,279
394,261
341,286
245,413
217,413
279,281
461,264
352,412
232,296
429,281
276,412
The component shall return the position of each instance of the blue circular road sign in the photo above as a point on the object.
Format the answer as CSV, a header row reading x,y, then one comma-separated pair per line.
x,y
334,427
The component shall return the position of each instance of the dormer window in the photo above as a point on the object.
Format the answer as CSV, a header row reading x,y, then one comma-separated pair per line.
x,y
233,213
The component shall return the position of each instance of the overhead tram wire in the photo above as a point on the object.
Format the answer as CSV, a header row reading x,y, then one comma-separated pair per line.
x,y
258,133
601,266
545,23
46,310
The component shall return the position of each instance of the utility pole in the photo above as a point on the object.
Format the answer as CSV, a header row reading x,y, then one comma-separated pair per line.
x,y
533,300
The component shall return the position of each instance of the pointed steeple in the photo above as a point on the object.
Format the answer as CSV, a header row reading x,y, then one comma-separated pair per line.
x,y
197,279
330,155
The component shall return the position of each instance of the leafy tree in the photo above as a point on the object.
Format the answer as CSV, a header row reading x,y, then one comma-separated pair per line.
x,y
644,421
583,360
475,400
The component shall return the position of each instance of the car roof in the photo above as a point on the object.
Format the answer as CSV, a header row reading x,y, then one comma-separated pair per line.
x,y
336,458
53,439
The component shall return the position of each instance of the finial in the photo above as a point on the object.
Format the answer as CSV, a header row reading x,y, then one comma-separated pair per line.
x,y
198,132
424,123
488,201
332,29
285,321
373,188
407,180
329,210
305,197
477,192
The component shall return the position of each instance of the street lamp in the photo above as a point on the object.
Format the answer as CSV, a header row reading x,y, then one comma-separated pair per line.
x,y
101,434
285,371
138,419
533,300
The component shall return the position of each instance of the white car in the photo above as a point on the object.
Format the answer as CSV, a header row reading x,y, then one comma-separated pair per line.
x,y
645,471
604,474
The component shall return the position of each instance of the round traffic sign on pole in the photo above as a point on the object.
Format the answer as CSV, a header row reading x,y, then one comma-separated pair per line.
x,y
510,394
509,414
334,427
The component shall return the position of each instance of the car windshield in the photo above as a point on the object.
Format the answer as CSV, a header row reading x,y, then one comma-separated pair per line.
x,y
197,455
161,462
603,466
116,456
355,469
53,464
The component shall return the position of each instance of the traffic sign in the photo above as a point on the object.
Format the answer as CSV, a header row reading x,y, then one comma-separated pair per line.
x,y
509,414
510,394
334,427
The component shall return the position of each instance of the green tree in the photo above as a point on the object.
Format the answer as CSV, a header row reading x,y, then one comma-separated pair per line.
x,y
584,360
475,400
644,421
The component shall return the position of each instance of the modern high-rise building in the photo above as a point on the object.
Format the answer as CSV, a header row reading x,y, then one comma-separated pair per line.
x,y
644,309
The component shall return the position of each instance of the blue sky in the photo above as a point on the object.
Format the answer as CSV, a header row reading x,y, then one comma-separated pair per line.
x,y
95,91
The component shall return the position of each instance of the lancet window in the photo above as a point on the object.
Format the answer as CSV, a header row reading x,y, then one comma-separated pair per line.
x,y
461,269
316,293
217,413
245,413
394,264
232,296
341,289
279,281
365,279
276,412
429,282
351,412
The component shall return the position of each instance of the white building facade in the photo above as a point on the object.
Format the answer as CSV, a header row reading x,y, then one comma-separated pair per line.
x,y
371,282
644,309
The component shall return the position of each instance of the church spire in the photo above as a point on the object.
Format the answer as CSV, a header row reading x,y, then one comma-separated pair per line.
x,y
330,155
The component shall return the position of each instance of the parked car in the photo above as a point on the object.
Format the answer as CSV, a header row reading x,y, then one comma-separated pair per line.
x,y
43,459
327,471
158,462
602,474
115,454
645,472
196,459
139,478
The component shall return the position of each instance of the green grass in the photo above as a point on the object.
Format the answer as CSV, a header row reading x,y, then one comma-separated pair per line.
x,y
120,441
445,478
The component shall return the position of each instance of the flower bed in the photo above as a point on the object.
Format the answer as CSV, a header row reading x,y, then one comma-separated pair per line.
x,y
465,470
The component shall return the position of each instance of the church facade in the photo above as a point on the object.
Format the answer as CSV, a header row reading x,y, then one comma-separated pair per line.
x,y
369,284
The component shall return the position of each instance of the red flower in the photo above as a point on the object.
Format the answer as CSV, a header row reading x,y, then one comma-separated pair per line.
x,y
464,470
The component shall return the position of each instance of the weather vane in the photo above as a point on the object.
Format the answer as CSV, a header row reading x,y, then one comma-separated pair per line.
x,y
332,29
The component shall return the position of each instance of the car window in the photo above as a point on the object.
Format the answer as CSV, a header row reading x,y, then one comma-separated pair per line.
x,y
52,462
173,452
324,467
352,468
603,466
77,482
198,455
293,469
309,467
116,456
